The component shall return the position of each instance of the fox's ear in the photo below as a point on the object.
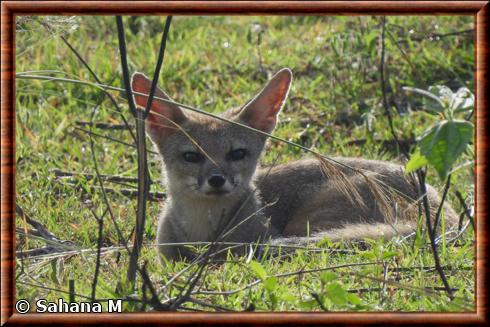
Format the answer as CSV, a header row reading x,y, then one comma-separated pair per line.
x,y
261,112
163,115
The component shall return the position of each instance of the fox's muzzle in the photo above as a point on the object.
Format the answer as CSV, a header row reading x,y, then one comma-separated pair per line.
x,y
216,180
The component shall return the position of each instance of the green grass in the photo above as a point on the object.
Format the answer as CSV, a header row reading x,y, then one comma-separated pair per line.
x,y
215,63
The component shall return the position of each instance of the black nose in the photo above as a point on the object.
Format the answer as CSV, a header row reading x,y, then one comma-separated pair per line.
x,y
216,181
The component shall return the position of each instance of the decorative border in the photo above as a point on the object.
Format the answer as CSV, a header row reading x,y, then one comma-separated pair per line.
x,y
11,8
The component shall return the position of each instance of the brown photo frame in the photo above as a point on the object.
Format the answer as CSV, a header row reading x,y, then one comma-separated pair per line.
x,y
479,9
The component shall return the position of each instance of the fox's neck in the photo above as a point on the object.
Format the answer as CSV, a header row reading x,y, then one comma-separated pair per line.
x,y
217,206
202,218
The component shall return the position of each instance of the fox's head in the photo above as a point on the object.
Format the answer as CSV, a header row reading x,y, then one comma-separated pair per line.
x,y
206,157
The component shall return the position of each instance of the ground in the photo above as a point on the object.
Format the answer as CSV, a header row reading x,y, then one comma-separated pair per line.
x,y
335,106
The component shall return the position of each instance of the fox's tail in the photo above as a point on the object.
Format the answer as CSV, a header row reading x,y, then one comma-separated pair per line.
x,y
350,232
358,232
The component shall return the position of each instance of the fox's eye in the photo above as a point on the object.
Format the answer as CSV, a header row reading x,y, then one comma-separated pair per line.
x,y
193,157
237,154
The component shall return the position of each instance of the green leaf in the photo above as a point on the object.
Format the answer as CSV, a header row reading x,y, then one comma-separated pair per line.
x,y
431,106
369,255
353,298
444,143
287,297
336,294
388,254
258,270
328,276
307,304
431,102
325,242
462,100
444,94
370,40
270,284
416,161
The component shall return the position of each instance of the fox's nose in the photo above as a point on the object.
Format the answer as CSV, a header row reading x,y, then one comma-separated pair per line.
x,y
216,180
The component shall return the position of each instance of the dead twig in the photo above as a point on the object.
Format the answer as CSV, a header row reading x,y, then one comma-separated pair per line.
x,y
439,209
431,232
318,300
293,273
105,126
153,196
210,305
102,188
109,178
420,173
100,224
140,117
111,98
38,227
154,301
54,245
24,254
74,293
466,211
109,138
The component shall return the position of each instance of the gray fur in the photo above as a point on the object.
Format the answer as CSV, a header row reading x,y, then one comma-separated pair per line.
x,y
258,204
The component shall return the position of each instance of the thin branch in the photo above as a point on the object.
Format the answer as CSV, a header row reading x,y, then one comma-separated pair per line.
x,y
318,300
40,229
154,301
161,55
293,273
383,88
94,75
184,106
71,287
109,138
420,174
108,178
382,290
441,204
76,294
100,223
431,232
210,305
153,196
101,184
105,126
143,177
466,211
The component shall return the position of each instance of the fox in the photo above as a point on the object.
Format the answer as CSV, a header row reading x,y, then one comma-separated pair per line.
x,y
217,189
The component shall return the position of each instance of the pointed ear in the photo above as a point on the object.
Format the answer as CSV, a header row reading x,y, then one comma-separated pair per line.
x,y
162,114
261,112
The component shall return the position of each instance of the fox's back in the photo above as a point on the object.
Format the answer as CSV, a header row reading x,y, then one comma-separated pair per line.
x,y
304,194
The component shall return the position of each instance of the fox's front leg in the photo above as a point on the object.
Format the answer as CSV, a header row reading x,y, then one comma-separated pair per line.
x,y
165,237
